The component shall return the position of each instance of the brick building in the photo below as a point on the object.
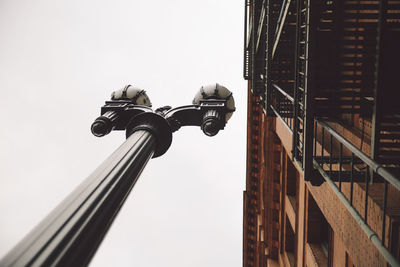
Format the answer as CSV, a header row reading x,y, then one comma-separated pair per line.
x,y
323,146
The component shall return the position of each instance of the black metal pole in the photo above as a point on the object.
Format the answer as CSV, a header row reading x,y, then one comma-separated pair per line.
x,y
72,232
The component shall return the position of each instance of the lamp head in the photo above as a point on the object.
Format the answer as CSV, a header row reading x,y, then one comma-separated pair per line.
x,y
134,94
215,120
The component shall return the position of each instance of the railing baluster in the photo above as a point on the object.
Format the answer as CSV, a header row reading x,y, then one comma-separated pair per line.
x,y
322,142
384,212
340,167
315,138
351,178
278,100
366,193
330,155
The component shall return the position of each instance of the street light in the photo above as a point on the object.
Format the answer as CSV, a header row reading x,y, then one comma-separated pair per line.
x,y
72,232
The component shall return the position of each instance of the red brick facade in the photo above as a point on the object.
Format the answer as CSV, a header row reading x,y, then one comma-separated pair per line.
x,y
287,210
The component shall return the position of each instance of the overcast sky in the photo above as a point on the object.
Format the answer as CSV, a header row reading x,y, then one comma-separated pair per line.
x,y
59,62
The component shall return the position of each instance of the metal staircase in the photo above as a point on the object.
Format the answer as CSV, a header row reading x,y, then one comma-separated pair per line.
x,y
385,141
303,98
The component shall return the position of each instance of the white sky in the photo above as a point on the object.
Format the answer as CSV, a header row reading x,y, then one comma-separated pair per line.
x,y
59,62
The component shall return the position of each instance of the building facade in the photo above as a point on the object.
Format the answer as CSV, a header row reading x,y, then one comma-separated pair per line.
x,y
323,145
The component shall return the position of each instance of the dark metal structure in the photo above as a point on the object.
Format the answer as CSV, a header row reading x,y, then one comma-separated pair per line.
x,y
312,64
71,234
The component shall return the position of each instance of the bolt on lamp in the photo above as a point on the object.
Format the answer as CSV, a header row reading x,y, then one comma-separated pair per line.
x,y
72,232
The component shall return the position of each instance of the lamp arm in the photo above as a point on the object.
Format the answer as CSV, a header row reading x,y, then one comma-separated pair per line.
x,y
190,115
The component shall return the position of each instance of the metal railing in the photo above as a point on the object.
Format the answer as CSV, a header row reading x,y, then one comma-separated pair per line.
x,y
282,105
350,172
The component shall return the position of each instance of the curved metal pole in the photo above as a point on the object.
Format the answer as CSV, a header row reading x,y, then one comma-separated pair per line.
x,y
72,232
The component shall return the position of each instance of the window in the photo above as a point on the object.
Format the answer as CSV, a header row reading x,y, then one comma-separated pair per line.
x,y
290,243
319,234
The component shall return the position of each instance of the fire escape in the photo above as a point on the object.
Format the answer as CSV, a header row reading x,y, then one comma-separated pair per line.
x,y
326,68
